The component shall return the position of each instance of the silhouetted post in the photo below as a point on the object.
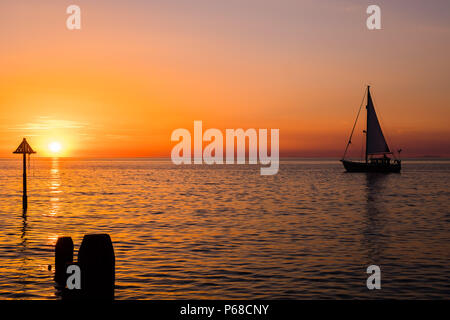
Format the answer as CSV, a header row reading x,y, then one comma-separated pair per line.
x,y
97,262
63,258
25,149
24,197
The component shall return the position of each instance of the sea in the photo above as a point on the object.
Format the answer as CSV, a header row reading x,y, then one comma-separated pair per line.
x,y
227,232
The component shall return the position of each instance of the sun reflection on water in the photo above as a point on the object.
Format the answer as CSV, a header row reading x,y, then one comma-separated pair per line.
x,y
55,184
51,239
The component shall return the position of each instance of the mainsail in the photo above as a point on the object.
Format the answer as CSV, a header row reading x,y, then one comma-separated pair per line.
x,y
375,141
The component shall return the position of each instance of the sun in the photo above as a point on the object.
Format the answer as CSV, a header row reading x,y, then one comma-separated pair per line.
x,y
55,147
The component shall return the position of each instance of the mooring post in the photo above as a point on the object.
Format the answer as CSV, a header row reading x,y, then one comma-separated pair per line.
x,y
97,262
24,148
63,258
24,196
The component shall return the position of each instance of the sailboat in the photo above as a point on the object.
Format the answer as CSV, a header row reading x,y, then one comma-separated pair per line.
x,y
379,157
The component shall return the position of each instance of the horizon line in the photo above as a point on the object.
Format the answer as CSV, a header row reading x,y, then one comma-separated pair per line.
x,y
429,157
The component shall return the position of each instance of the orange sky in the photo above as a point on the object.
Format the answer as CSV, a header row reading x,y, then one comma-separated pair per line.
x,y
138,70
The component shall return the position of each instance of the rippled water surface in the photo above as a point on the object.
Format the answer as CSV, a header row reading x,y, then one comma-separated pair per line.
x,y
227,232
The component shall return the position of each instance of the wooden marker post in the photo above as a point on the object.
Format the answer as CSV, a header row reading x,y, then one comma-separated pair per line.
x,y
97,262
63,257
24,148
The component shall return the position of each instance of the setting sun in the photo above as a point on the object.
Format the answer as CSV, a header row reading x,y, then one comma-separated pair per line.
x,y
55,147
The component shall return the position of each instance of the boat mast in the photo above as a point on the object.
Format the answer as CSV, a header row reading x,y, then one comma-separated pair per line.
x,y
369,98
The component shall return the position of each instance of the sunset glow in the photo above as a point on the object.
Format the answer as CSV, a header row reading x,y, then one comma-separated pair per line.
x,y
304,73
55,147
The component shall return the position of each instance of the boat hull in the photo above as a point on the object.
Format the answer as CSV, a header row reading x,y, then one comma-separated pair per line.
x,y
354,166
